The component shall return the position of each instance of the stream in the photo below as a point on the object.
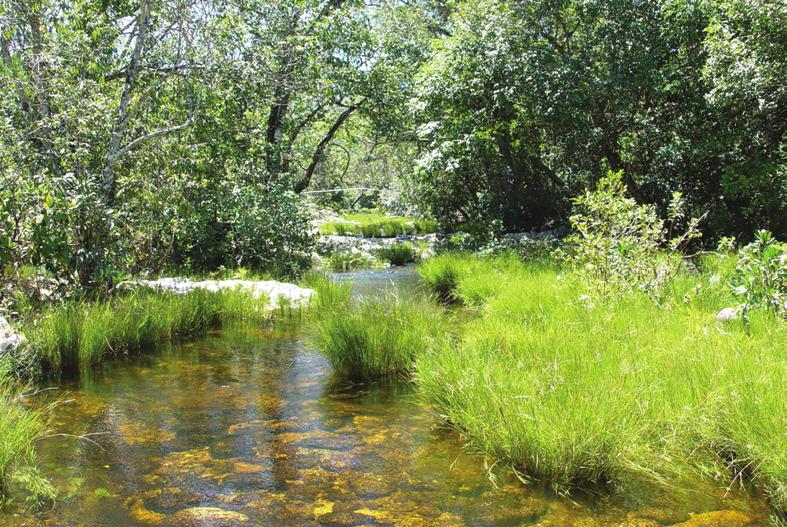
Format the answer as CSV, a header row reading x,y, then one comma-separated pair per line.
x,y
248,426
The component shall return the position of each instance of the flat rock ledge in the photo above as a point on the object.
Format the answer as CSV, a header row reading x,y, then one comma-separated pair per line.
x,y
9,340
278,293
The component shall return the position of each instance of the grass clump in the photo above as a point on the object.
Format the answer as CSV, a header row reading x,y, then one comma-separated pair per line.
x,y
82,334
342,262
398,253
378,338
585,392
20,428
373,225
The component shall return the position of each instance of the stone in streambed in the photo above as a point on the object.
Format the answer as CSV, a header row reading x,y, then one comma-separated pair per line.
x,y
208,517
718,519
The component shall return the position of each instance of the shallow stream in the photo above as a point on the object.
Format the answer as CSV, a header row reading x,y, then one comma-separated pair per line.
x,y
248,426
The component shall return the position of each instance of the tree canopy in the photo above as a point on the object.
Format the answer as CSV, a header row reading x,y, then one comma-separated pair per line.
x,y
141,134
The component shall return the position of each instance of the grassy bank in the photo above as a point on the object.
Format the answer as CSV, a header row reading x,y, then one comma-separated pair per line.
x,y
581,392
371,225
82,334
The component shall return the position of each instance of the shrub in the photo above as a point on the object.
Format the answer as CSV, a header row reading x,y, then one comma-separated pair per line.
x,y
378,337
761,275
269,229
618,242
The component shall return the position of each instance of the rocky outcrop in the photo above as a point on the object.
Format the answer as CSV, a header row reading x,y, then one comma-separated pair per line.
x,y
9,340
278,293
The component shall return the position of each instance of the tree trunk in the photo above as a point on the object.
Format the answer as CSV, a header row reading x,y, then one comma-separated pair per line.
x,y
114,151
319,152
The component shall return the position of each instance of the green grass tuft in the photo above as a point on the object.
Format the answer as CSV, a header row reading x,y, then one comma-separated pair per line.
x,y
398,253
372,225
20,428
82,334
378,337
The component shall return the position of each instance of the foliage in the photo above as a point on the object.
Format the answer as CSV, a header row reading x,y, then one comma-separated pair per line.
x,y
523,104
20,428
761,275
618,242
379,337
601,404
268,230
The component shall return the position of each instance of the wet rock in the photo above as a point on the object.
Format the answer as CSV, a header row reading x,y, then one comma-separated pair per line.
x,y
141,514
718,519
727,314
208,517
276,292
9,340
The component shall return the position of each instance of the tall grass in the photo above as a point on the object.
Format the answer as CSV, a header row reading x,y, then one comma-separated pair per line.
x,y
20,428
82,334
398,253
378,337
577,393
371,225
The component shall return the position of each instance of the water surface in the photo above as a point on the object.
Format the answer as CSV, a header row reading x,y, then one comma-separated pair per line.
x,y
248,426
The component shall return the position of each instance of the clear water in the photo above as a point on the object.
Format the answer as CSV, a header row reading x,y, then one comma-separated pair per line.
x,y
248,426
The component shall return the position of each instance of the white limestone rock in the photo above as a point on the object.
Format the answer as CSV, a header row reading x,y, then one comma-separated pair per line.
x,y
278,293
727,314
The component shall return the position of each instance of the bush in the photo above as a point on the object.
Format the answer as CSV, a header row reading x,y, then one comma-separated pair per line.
x,y
379,338
618,243
761,275
269,229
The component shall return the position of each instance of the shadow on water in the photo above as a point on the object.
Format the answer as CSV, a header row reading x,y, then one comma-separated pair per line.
x,y
249,426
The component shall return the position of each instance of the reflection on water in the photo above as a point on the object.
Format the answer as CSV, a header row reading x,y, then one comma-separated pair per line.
x,y
249,427
374,281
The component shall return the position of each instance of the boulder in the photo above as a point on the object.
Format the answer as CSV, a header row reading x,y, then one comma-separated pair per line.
x,y
9,340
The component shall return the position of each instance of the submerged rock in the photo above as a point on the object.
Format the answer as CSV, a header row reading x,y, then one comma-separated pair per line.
x,y
208,517
718,519
9,340
276,292
727,314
